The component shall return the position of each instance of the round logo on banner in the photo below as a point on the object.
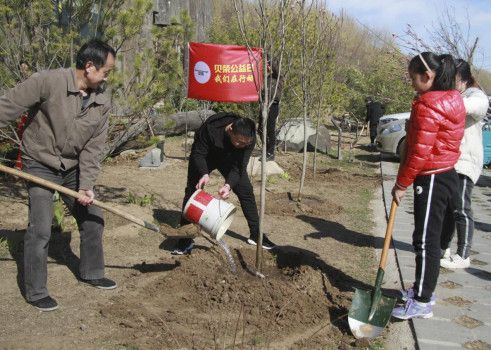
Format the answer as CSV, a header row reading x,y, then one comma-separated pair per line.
x,y
202,72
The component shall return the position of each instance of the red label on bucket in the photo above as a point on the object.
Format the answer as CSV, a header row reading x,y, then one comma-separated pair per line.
x,y
203,198
193,213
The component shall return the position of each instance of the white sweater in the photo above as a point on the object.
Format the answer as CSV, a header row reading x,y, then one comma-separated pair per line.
x,y
471,158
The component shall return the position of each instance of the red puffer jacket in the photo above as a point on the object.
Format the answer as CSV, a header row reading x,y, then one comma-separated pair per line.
x,y
435,130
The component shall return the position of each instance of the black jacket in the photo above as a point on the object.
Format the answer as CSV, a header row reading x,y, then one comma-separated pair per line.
x,y
375,110
212,149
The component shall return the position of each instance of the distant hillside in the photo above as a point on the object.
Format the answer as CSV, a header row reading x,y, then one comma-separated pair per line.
x,y
484,78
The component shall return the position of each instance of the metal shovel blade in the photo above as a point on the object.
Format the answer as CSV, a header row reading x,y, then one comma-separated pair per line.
x,y
370,311
360,322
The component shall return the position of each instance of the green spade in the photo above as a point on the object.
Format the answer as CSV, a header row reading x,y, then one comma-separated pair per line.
x,y
370,311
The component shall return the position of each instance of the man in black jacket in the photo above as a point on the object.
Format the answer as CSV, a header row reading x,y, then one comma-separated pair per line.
x,y
375,110
225,142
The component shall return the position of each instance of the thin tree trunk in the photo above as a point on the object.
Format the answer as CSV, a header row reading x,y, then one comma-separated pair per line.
x,y
304,98
314,169
304,163
262,198
186,139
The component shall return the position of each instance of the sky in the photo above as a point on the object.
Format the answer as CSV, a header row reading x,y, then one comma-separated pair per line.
x,y
393,16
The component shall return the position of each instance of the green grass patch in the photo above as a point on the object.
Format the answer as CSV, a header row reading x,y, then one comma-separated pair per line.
x,y
142,201
285,176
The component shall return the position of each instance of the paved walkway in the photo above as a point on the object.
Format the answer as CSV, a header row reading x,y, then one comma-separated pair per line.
x,y
462,314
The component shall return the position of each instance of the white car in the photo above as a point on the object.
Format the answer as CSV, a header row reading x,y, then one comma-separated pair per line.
x,y
391,131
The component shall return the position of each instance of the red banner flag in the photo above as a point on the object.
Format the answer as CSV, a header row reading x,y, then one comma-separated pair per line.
x,y
224,73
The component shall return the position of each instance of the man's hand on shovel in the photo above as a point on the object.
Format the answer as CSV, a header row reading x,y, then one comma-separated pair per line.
x,y
87,197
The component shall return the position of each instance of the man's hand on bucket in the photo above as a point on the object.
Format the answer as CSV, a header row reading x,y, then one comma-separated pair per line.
x,y
224,192
203,181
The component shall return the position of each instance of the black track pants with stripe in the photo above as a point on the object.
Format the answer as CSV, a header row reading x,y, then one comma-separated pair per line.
x,y
463,218
432,203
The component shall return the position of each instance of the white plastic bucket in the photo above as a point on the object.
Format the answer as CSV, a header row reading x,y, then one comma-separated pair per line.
x,y
213,215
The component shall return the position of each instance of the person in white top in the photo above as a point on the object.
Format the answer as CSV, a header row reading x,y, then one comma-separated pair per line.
x,y
468,167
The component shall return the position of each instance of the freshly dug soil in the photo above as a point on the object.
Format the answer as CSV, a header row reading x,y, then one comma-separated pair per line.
x,y
325,249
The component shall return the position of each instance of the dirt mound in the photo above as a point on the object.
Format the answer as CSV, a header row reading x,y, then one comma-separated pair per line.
x,y
203,305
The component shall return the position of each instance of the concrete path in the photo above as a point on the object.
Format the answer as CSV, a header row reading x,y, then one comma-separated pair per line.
x,y
462,314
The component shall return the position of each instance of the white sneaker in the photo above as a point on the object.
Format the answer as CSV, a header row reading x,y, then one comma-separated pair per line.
x,y
446,254
455,261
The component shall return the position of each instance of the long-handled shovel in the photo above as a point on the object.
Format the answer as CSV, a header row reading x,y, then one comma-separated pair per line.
x,y
370,312
69,192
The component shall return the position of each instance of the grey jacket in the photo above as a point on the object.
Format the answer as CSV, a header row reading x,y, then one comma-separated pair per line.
x,y
58,132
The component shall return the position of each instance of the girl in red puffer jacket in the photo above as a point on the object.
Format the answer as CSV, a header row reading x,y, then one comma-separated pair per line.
x,y
435,130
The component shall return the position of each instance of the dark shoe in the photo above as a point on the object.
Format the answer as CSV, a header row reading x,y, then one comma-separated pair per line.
x,y
267,244
45,304
184,246
269,157
101,283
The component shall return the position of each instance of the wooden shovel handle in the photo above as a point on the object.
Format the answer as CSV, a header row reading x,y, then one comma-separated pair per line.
x,y
388,235
69,192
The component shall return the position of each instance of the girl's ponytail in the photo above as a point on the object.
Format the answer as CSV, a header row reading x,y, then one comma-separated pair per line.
x,y
445,73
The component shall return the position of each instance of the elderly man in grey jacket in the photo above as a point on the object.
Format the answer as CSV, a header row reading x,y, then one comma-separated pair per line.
x,y
68,116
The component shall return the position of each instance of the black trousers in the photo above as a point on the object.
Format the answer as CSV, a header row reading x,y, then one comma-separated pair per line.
x,y
373,132
462,220
271,128
432,204
243,189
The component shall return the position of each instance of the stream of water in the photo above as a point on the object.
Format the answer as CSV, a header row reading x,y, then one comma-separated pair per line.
x,y
230,258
